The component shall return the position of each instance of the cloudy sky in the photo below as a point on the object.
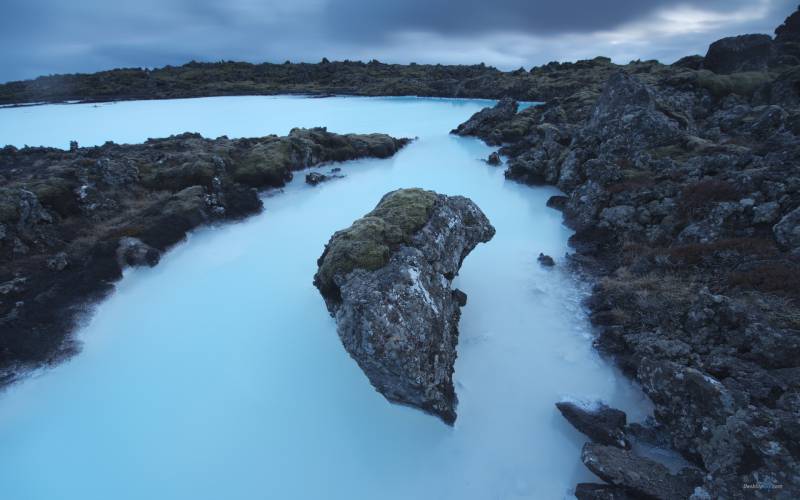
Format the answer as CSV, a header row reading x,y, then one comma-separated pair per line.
x,y
57,36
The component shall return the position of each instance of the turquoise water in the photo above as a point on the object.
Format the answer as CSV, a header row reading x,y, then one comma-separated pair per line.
x,y
219,374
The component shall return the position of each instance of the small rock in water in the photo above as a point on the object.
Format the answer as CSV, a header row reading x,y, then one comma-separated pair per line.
x,y
546,260
315,178
494,159
600,423
387,281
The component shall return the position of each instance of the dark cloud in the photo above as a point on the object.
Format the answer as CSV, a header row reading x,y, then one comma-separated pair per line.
x,y
370,17
53,36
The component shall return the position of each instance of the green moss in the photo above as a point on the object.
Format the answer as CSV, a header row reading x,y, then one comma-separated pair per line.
x,y
58,194
268,164
737,83
175,178
370,241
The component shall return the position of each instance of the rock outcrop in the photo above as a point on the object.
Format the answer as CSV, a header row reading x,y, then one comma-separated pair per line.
x,y
599,422
70,221
485,120
683,190
387,282
637,476
739,53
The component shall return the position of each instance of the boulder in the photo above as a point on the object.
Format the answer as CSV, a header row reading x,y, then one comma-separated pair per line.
x,y
599,422
705,402
387,282
494,159
739,53
790,29
639,476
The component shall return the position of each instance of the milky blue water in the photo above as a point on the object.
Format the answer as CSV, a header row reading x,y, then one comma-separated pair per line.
x,y
219,374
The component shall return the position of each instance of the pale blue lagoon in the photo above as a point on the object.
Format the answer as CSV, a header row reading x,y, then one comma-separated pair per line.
x,y
218,374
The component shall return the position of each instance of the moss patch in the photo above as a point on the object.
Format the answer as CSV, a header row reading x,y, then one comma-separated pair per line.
x,y
370,241
267,164
737,83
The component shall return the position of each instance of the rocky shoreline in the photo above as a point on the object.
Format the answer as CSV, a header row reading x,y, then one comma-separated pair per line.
x,y
71,221
387,281
324,79
683,187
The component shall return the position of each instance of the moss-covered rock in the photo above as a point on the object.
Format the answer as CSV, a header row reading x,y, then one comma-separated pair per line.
x,y
396,312
369,242
271,162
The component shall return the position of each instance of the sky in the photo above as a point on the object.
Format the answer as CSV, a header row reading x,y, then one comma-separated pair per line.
x,y
41,37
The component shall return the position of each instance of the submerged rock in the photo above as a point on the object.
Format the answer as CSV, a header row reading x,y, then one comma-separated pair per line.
x,y
387,281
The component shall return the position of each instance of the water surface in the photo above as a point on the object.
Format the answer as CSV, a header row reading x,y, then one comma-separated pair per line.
x,y
219,374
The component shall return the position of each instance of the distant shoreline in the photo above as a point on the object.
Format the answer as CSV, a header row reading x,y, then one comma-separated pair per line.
x,y
323,79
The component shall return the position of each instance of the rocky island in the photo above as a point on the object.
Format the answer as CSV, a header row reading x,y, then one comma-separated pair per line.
x,y
683,188
387,281
71,221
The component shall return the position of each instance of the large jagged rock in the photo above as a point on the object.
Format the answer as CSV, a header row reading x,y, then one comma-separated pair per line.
x,y
387,281
739,53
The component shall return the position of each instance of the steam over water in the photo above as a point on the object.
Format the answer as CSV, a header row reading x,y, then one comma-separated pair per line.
x,y
219,374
